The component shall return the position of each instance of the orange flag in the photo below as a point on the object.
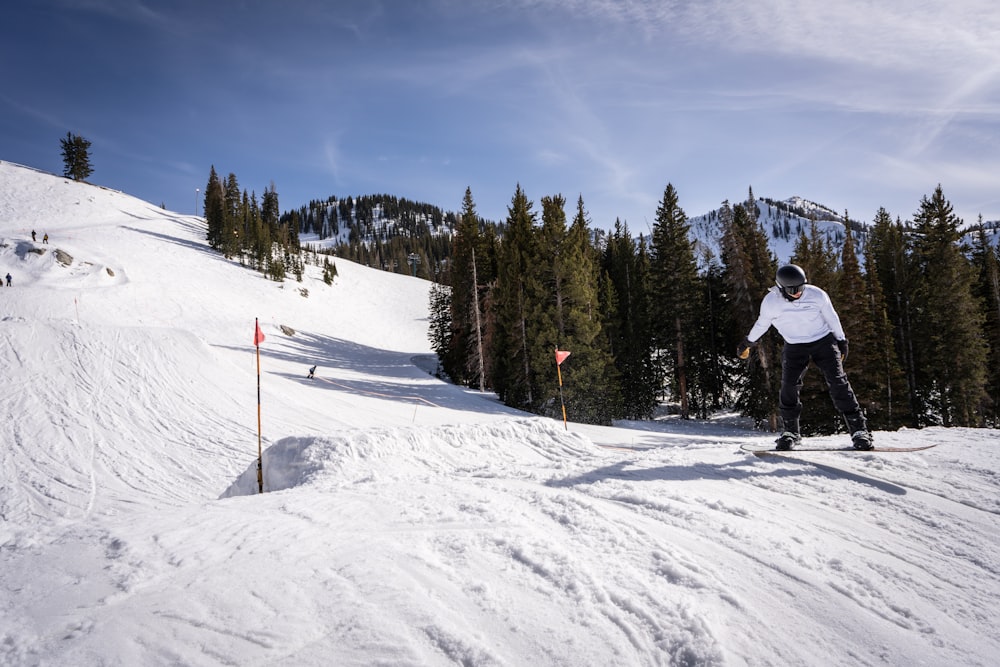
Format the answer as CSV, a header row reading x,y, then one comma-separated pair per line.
x,y
561,356
258,336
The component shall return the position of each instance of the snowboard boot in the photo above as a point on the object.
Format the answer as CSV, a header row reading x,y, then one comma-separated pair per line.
x,y
857,426
787,441
862,440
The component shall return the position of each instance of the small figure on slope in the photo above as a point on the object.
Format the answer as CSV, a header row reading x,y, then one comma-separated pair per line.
x,y
311,372
804,316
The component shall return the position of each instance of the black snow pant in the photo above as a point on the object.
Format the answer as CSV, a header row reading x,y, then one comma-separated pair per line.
x,y
795,358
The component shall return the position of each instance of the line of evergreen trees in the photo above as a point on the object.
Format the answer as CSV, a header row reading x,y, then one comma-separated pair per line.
x,y
645,324
382,231
254,233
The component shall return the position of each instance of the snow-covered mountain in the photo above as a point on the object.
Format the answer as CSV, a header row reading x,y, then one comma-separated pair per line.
x,y
406,521
782,221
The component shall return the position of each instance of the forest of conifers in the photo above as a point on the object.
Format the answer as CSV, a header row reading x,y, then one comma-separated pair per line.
x,y
649,320
654,320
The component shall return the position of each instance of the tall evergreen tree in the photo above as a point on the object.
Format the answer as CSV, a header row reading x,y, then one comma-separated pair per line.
x,y
513,375
76,157
951,353
549,307
625,307
232,222
890,266
270,211
749,273
814,253
215,209
439,309
591,388
851,300
675,292
987,290
465,363
883,384
717,368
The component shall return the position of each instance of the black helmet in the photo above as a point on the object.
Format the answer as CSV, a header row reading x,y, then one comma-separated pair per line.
x,y
790,279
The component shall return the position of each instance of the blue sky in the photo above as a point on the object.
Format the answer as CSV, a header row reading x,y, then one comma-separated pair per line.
x,y
853,104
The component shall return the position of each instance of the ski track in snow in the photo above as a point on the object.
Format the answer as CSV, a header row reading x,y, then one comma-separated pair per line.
x,y
406,521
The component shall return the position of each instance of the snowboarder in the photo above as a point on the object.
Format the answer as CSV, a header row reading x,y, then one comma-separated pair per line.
x,y
8,280
32,235
45,239
804,316
311,371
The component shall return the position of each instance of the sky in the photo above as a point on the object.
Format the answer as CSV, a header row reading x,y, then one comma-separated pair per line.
x,y
407,521
856,105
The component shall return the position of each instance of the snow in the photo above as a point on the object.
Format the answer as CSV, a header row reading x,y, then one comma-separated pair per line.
x,y
407,521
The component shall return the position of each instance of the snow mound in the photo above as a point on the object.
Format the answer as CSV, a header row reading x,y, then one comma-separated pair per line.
x,y
360,455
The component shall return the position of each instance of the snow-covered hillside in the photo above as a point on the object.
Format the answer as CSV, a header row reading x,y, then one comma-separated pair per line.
x,y
783,222
406,521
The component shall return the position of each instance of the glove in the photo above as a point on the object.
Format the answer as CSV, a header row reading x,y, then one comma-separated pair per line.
x,y
743,349
842,346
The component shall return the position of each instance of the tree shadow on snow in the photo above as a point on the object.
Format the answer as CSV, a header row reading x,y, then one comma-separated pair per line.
x,y
348,367
200,246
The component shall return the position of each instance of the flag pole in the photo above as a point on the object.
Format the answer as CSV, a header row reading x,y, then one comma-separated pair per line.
x,y
560,357
257,338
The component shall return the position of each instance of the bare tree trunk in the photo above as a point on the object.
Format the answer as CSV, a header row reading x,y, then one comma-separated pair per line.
x,y
524,342
479,326
682,372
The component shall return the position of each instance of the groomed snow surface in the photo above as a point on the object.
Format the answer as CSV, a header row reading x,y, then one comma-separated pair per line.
x,y
407,521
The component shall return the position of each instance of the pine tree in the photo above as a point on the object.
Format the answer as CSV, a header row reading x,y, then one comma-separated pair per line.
x,y
564,314
675,292
270,211
591,387
232,222
76,157
749,273
513,375
548,312
951,353
464,362
215,209
886,394
817,258
440,320
625,308
891,267
987,290
852,304
717,368
330,271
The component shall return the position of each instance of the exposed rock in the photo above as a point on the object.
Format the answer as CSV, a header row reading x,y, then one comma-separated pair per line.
x,y
63,257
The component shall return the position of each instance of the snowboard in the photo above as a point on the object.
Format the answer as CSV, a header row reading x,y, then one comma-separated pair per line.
x,y
877,450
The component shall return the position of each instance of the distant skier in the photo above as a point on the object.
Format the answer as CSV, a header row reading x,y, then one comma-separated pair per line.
x,y
804,316
32,235
45,239
311,372
8,280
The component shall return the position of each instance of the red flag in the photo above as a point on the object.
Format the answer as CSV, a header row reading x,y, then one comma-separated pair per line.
x,y
561,357
258,336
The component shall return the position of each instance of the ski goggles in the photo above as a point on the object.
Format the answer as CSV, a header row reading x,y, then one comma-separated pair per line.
x,y
791,290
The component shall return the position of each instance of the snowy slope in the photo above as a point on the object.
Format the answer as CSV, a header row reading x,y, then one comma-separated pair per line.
x,y
408,522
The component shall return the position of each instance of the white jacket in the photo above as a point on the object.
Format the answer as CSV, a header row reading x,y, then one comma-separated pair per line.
x,y
807,319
